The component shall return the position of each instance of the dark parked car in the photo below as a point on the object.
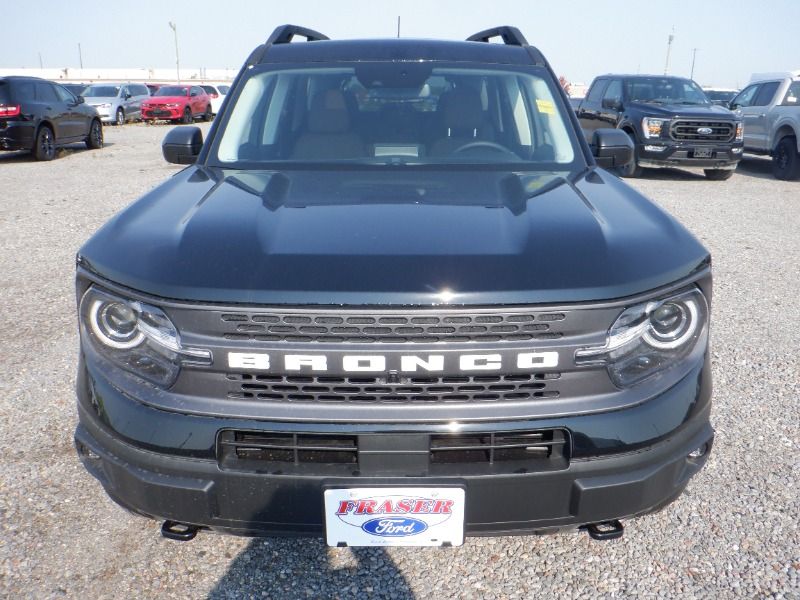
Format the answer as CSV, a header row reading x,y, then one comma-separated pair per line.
x,y
394,300
670,121
38,115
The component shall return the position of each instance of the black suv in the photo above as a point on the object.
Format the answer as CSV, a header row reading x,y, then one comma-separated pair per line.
x,y
39,116
670,120
394,300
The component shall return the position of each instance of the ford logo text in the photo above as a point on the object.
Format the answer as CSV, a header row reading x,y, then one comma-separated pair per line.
x,y
705,130
394,526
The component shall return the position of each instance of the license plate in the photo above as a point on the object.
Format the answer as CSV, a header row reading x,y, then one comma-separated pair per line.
x,y
162,113
404,516
702,152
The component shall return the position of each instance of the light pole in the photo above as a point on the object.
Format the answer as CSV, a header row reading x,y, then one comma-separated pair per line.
x,y
694,55
669,47
174,28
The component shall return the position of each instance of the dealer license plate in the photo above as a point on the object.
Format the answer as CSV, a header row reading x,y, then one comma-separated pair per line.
x,y
406,516
702,152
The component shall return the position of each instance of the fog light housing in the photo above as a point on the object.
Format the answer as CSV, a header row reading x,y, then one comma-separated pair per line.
x,y
699,452
655,148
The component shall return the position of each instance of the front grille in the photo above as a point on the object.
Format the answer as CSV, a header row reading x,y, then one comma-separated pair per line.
x,y
721,131
417,327
462,389
441,454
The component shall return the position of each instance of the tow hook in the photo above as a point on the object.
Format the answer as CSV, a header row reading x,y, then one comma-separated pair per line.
x,y
181,532
606,530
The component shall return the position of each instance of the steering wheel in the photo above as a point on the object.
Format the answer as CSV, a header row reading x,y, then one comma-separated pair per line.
x,y
481,144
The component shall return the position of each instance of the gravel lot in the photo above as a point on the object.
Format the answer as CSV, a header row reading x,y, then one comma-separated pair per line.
x,y
734,533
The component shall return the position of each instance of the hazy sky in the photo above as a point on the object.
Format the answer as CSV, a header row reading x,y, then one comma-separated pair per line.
x,y
580,38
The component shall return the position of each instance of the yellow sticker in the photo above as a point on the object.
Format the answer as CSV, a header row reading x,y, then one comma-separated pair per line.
x,y
546,106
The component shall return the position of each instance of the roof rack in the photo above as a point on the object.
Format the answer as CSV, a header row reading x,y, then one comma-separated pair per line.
x,y
511,36
283,34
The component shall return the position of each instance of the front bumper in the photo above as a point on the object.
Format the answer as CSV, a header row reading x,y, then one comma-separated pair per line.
x,y
163,465
722,156
162,113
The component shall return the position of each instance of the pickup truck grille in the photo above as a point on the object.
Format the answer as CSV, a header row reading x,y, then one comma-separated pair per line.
x,y
415,327
690,131
460,389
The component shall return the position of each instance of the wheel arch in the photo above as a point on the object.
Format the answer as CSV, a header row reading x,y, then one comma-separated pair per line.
x,y
786,130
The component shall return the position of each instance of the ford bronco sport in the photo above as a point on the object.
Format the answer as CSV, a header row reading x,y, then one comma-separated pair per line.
x,y
394,300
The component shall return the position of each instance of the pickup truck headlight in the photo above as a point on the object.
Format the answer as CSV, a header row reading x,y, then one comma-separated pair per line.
x,y
136,337
650,338
739,132
652,128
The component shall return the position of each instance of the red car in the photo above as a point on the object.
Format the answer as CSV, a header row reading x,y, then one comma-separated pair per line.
x,y
178,103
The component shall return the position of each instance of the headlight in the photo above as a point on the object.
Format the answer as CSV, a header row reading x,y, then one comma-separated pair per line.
x,y
172,105
652,127
104,105
739,131
650,338
136,337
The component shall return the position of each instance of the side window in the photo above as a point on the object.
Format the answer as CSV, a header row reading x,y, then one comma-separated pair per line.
x,y
766,93
596,91
613,93
195,91
792,97
24,90
64,95
45,92
745,97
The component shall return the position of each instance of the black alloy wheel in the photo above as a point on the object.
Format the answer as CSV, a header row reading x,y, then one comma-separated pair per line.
x,y
44,147
94,140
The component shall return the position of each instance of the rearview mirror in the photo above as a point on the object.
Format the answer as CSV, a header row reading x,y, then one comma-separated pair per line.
x,y
182,145
612,148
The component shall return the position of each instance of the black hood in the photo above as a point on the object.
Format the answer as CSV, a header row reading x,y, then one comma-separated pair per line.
x,y
683,111
383,237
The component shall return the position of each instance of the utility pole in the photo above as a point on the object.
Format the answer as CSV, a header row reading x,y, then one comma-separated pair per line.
x,y
694,55
174,28
80,55
669,47
398,26
41,64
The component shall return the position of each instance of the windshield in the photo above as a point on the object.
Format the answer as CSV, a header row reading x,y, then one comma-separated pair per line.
x,y
396,113
101,91
172,90
719,95
664,90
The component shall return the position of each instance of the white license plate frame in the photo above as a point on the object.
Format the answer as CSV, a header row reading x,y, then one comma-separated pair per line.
x,y
401,516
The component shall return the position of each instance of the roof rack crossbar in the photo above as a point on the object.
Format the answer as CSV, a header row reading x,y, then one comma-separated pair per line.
x,y
511,36
283,34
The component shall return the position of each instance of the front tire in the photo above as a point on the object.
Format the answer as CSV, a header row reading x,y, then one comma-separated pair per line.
x,y
718,174
187,117
120,118
94,141
632,169
44,148
786,160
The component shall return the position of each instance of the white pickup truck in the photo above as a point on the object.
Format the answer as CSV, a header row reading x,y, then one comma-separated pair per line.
x,y
770,110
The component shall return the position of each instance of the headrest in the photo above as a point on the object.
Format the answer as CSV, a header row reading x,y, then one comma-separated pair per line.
x,y
328,113
461,109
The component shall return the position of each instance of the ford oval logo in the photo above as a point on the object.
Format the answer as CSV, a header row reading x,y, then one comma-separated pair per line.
x,y
705,130
394,526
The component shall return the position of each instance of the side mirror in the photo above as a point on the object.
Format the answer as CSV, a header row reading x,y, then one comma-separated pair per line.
x,y
733,106
612,148
128,96
182,145
80,99
612,103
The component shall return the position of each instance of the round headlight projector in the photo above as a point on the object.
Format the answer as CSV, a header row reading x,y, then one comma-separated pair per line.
x,y
672,324
115,324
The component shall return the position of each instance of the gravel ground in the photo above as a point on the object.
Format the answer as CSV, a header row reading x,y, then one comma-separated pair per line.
x,y
733,533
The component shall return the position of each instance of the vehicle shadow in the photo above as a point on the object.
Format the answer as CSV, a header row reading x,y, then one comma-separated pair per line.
x,y
759,167
672,175
307,568
21,156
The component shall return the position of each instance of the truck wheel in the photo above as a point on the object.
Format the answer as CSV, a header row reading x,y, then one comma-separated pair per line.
x,y
785,159
632,169
718,174
119,120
